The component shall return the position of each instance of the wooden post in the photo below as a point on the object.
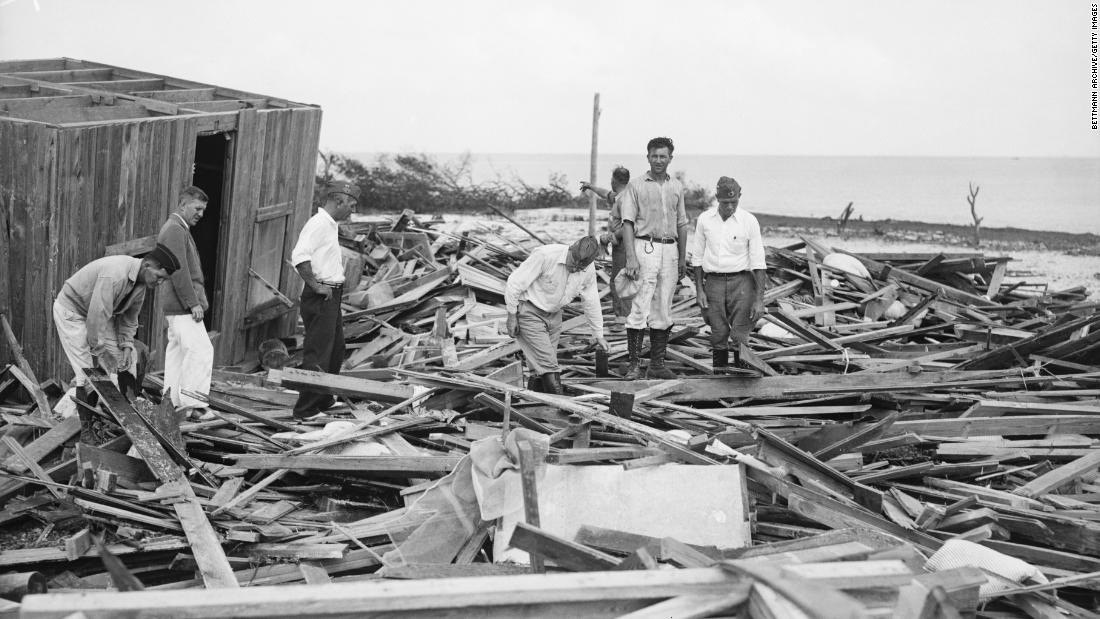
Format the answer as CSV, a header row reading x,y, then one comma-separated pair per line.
x,y
592,167
527,470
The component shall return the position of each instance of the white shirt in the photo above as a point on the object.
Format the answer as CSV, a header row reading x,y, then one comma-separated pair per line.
x,y
319,244
545,281
727,246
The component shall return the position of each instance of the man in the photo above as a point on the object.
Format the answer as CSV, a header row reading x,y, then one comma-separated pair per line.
x,y
655,227
96,315
319,262
534,296
727,254
189,357
620,177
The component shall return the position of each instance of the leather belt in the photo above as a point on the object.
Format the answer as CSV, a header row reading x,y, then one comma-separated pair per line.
x,y
657,239
331,284
709,274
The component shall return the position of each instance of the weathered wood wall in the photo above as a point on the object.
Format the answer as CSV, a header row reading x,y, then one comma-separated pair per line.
x,y
66,193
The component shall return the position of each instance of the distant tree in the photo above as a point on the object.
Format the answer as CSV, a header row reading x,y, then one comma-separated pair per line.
x,y
972,199
842,222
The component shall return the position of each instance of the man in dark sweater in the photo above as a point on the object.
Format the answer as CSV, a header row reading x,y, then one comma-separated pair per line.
x,y
189,357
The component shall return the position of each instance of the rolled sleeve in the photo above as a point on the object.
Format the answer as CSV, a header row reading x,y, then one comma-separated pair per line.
x,y
99,313
682,220
628,211
521,279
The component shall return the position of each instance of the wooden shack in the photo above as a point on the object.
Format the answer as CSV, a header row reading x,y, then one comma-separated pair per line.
x,y
92,160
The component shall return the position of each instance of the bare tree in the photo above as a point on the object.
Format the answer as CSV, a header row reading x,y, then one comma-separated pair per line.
x,y
328,160
842,222
972,199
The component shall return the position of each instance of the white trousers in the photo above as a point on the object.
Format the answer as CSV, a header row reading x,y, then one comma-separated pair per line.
x,y
73,333
188,360
658,265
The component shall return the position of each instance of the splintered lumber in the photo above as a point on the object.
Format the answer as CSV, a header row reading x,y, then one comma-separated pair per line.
x,y
587,594
211,559
1062,475
22,370
337,384
562,552
365,464
43,445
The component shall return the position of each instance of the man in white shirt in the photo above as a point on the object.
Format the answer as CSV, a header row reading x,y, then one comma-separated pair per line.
x,y
534,296
727,254
317,258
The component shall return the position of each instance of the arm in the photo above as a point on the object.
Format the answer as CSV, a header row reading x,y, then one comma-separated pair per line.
x,y
305,271
629,213
181,279
519,281
760,278
698,245
593,312
759,266
100,308
599,191
682,225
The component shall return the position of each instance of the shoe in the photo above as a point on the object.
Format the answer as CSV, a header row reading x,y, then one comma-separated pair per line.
x,y
309,416
658,343
534,383
634,340
87,427
86,395
552,382
720,360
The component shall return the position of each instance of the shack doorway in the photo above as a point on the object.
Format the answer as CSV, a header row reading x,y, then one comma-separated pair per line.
x,y
210,174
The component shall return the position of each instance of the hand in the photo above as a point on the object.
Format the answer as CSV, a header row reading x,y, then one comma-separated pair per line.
x,y
511,326
126,355
681,269
701,299
585,186
757,311
632,267
602,343
197,313
321,289
107,362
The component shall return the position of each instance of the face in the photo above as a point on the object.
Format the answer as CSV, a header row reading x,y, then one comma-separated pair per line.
x,y
345,204
573,264
152,274
192,211
728,206
659,158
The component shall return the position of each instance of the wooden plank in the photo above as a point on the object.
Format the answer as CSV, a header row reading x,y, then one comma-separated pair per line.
x,y
25,374
41,447
336,384
313,462
213,564
562,552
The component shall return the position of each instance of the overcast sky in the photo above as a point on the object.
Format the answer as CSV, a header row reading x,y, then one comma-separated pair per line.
x,y
798,77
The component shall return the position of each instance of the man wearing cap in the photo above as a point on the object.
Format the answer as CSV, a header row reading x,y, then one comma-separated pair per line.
x,y
318,260
189,356
534,296
727,254
96,315
655,227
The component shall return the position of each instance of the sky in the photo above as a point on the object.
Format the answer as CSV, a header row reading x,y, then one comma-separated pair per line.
x,y
797,77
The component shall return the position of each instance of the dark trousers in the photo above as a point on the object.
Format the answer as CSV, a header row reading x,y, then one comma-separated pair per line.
x,y
323,348
729,307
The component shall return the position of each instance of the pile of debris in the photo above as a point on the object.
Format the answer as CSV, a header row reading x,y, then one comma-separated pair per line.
x,y
918,439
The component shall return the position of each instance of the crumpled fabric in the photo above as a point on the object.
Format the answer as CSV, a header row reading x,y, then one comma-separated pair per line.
x,y
495,470
961,553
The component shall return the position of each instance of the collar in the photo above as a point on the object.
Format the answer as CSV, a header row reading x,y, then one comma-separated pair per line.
x,y
328,218
133,270
563,256
649,176
180,219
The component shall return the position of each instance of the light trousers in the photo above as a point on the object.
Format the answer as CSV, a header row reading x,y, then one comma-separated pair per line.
x,y
72,330
537,334
659,264
188,360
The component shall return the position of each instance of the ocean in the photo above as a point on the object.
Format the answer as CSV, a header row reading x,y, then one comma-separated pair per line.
x,y
1061,194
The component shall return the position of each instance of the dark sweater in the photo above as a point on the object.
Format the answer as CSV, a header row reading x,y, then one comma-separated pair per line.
x,y
187,288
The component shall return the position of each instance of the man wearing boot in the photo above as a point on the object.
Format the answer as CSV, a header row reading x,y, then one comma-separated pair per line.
x,y
96,315
535,294
727,254
655,227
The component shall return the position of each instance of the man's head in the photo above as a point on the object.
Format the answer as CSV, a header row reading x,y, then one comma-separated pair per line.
x,y
659,153
728,193
192,204
581,254
340,199
157,266
620,176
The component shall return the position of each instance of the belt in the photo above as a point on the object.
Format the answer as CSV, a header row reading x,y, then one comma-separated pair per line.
x,y
657,239
331,284
709,274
